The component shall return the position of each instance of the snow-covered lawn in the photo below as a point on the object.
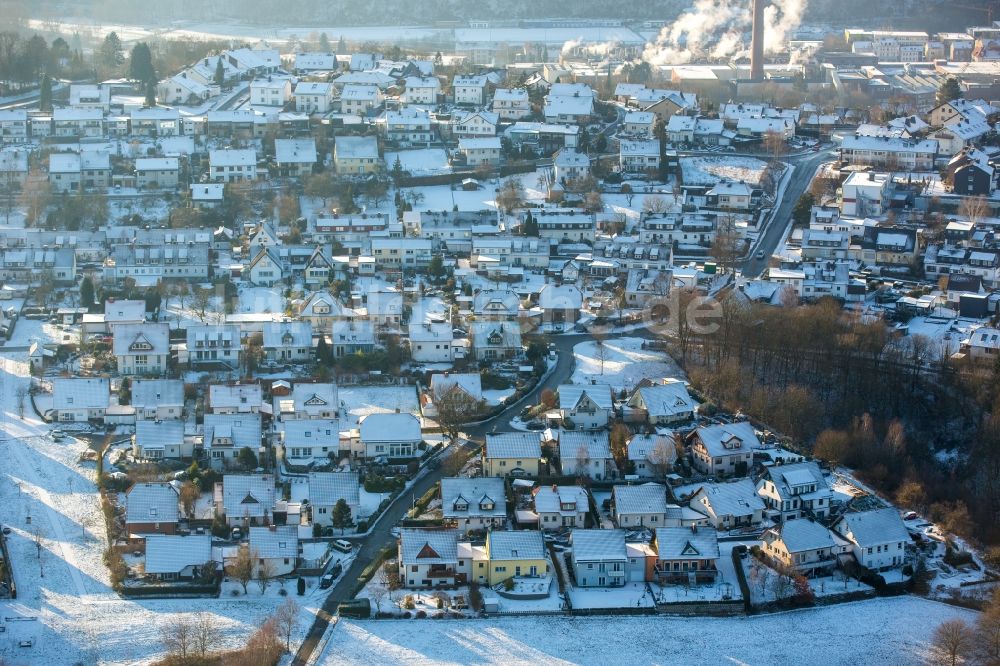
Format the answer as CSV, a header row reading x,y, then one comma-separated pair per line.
x,y
80,618
496,396
885,631
631,595
420,162
261,299
363,400
710,170
625,363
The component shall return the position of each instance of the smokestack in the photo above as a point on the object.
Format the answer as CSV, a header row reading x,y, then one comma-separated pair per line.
x,y
757,42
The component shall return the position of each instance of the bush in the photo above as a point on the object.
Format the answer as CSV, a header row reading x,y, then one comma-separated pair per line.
x,y
408,602
957,558
300,586
508,584
421,614
362,526
283,592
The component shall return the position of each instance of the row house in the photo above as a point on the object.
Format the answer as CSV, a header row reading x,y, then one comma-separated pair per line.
x,y
78,123
889,152
149,263
73,172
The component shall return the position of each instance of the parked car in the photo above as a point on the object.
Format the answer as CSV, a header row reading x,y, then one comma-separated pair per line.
x,y
343,545
326,581
237,534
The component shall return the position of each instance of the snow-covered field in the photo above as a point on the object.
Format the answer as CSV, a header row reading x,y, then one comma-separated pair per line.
x,y
879,631
62,581
710,170
420,162
625,363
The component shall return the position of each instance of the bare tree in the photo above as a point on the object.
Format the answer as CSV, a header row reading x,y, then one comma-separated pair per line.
x,y
377,593
189,495
286,617
242,566
21,393
599,348
662,456
201,302
179,638
974,209
954,638
265,573
582,462
206,633
655,204
455,408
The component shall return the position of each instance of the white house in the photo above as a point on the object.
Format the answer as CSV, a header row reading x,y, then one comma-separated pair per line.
x,y
652,456
246,499
158,399
304,441
328,488
586,454
172,557
308,400
431,342
235,399
313,97
79,399
638,156
390,435
214,345
270,91
232,165
158,440
288,341
142,349
878,537
640,506
730,505
428,557
224,435
794,491
359,99
804,545
470,89
421,90
570,165
276,545
724,449
294,158
587,407
599,557
661,404
157,173
480,151
511,103
561,506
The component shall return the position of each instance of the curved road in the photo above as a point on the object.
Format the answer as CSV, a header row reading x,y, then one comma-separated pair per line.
x,y
380,536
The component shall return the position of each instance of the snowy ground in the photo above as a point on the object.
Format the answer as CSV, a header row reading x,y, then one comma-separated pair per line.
x,y
880,631
625,363
496,396
710,170
420,162
631,595
363,400
80,619
261,299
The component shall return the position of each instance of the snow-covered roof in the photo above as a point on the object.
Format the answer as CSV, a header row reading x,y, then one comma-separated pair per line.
x,y
275,542
480,497
232,157
567,500
287,334
80,393
295,151
592,445
310,432
598,545
561,297
151,503
568,157
642,499
172,554
734,498
726,438
645,117
428,545
240,396
313,88
390,428
520,545
319,394
153,392
667,399
521,445
570,395
510,95
360,92
872,528
156,164
243,429
889,144
490,301
247,495
325,488
470,382
207,191
645,147
487,334
158,435
683,543
640,447
803,535
356,147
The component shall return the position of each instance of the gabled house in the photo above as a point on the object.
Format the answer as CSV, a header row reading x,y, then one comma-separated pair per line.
x,y
305,441
495,305
796,490
511,103
321,309
313,97
652,456
599,557
392,436
804,545
142,349
309,400
328,488
640,506
725,449
560,304
288,342
245,499
493,341
474,504
158,399
730,505
586,407
685,554
295,158
158,440
225,434
172,557
428,558
515,554
660,404
80,399
878,537
276,545
265,269
233,165
151,508
561,506
586,454
512,453
431,342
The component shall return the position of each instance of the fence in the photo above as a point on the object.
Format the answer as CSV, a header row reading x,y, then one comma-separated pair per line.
x,y
7,570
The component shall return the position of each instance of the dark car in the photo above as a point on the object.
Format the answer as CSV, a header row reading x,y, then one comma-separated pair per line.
x,y
326,581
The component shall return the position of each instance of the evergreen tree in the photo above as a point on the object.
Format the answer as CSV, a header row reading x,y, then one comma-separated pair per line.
x,y
530,227
140,64
109,55
949,90
803,209
220,72
324,355
87,293
45,94
341,517
341,46
324,43
150,93
246,458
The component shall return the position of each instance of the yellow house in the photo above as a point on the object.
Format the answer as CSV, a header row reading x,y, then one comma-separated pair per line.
x,y
512,453
515,554
356,155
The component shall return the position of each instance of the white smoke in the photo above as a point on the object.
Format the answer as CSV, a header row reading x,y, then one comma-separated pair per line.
x,y
580,47
716,29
